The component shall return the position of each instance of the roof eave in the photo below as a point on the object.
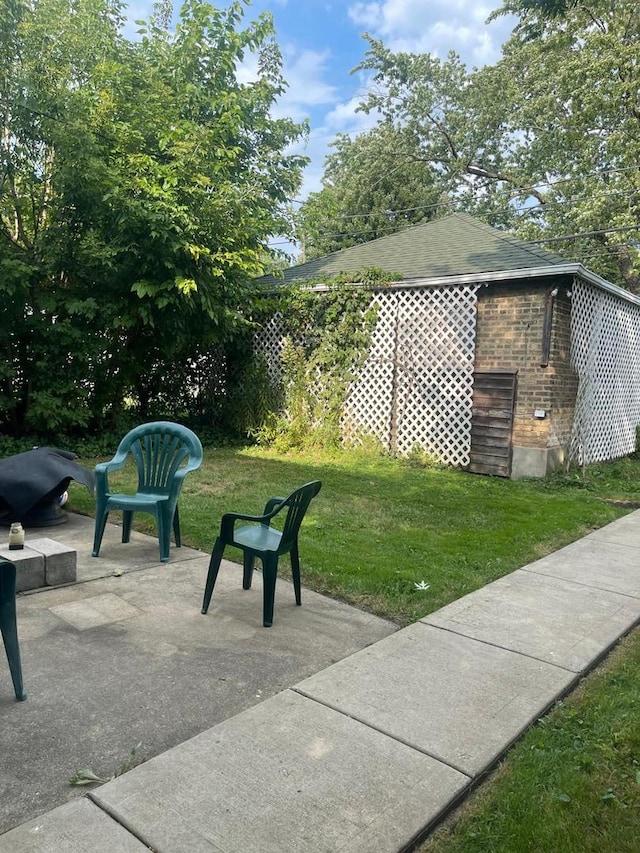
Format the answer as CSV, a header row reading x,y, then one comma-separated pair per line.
x,y
570,269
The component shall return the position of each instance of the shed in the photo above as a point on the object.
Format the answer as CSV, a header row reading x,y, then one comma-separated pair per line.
x,y
489,352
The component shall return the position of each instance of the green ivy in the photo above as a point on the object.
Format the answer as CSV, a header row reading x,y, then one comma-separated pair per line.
x,y
327,340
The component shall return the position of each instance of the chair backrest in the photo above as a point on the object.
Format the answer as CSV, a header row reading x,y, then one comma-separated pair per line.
x,y
297,503
159,450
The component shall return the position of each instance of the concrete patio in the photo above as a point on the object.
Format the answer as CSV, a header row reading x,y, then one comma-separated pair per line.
x,y
330,731
117,662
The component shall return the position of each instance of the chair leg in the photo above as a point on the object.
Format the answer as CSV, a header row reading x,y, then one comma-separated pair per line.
x,y
295,571
101,523
249,563
214,568
176,528
127,518
269,574
164,535
8,626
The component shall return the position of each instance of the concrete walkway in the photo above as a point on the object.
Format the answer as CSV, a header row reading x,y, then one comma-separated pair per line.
x,y
361,754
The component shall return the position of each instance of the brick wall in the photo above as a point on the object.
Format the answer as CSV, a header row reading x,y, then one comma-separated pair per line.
x,y
510,333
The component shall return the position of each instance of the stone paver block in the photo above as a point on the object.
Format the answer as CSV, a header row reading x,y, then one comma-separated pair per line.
x,y
77,827
455,698
30,567
594,562
564,623
59,561
287,775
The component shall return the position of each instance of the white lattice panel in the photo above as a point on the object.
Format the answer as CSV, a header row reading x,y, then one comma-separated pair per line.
x,y
269,342
605,352
368,408
416,386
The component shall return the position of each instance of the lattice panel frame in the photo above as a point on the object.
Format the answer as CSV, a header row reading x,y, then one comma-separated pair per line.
x,y
605,352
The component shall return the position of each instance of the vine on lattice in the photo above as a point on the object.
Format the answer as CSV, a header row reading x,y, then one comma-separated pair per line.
x,y
314,348
414,385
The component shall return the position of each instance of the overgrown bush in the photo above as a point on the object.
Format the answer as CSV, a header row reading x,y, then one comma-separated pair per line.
x,y
327,338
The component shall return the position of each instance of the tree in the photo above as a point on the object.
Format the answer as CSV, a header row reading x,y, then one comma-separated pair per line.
x,y
373,185
140,184
546,142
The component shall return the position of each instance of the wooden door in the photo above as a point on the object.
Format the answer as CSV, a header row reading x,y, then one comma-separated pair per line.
x,y
494,400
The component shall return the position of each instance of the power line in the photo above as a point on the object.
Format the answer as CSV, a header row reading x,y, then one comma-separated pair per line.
x,y
521,211
507,191
434,206
599,233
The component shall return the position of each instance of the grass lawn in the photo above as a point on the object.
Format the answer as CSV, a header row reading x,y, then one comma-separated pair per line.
x,y
572,784
380,527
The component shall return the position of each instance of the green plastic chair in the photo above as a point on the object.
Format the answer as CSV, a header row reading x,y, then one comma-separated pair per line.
x,y
8,626
259,539
160,451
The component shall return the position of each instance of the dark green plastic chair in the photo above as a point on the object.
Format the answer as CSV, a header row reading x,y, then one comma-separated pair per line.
x,y
259,539
164,454
8,625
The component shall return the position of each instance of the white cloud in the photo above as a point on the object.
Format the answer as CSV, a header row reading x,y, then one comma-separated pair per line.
x,y
435,27
304,71
344,118
136,11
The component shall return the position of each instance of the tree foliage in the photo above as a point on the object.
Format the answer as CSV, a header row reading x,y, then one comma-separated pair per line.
x,y
139,183
546,142
373,185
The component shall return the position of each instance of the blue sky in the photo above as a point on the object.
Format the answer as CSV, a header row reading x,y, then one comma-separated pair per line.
x,y
321,42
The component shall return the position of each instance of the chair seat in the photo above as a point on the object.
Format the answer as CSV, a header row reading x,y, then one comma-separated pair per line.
x,y
137,501
257,538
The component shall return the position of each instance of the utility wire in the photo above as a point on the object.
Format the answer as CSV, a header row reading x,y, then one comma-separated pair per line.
x,y
507,191
599,233
519,211
434,206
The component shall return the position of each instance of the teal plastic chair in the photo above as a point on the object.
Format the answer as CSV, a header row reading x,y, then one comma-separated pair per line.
x,y
8,625
259,539
164,453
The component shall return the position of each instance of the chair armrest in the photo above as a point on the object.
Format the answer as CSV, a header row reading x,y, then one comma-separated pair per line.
x,y
113,464
178,478
193,464
229,519
271,504
102,470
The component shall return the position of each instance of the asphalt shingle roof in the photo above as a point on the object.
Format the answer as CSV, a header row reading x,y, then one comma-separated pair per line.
x,y
455,245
